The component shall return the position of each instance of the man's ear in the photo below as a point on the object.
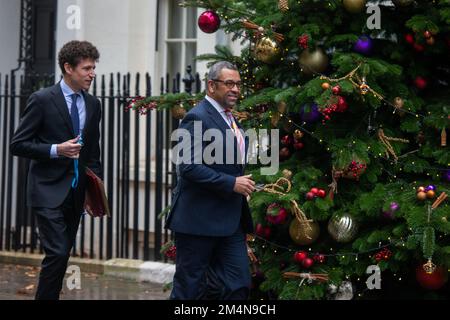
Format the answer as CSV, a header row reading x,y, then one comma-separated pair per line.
x,y
68,68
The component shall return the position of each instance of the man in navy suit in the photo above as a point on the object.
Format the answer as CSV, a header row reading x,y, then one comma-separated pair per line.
x,y
59,132
210,214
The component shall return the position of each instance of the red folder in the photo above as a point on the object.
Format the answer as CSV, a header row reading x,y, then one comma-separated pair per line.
x,y
95,203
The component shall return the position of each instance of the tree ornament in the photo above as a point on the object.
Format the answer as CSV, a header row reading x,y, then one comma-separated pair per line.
x,y
178,111
431,194
409,38
319,258
427,34
283,5
304,233
262,231
309,113
363,45
298,134
325,86
363,87
422,196
267,50
431,279
430,41
285,153
299,256
420,83
308,263
384,254
286,140
287,174
446,175
276,214
390,213
354,6
342,228
342,105
336,90
343,292
171,253
302,41
315,61
209,21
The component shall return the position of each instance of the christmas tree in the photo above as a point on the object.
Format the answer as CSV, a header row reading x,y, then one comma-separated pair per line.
x,y
360,93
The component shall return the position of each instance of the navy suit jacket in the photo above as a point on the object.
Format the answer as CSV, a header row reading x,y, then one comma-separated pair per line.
x,y
46,121
204,202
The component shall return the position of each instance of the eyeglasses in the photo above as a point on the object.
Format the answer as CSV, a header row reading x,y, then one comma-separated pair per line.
x,y
229,83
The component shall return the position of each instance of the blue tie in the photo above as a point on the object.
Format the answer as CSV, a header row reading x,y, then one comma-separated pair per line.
x,y
74,115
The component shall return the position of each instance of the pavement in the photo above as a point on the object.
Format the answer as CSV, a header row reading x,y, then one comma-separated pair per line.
x,y
18,282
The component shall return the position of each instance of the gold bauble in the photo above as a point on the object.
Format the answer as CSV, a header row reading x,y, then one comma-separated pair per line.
x,y
421,196
267,50
311,62
178,111
287,174
298,134
342,228
354,6
303,235
431,194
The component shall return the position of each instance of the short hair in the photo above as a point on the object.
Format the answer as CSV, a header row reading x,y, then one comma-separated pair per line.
x,y
75,51
216,68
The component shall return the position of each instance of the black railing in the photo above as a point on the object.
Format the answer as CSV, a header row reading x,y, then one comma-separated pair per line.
x,y
138,172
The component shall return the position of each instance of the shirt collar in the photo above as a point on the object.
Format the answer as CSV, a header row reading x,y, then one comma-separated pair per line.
x,y
215,104
66,90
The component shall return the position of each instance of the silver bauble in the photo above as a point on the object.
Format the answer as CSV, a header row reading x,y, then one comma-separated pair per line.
x,y
402,3
342,227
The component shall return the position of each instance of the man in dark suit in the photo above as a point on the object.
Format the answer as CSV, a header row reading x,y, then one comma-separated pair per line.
x,y
210,214
59,132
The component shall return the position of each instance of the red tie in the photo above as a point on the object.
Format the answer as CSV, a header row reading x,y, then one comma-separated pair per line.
x,y
237,133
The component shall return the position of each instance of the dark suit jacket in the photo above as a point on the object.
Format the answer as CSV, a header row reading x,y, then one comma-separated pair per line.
x,y
204,202
46,121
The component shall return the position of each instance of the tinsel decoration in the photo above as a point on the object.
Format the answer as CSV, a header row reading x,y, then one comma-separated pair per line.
x,y
386,142
283,5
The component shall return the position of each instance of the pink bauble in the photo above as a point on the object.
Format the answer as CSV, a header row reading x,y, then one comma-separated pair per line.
x,y
209,21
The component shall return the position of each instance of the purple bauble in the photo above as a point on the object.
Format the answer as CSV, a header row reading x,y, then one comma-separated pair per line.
x,y
209,21
446,176
394,207
363,45
430,187
309,113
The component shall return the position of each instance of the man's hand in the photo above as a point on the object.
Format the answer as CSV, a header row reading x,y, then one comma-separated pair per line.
x,y
70,149
244,185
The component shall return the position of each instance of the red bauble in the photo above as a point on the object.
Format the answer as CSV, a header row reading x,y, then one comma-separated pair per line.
x,y
420,83
314,191
433,281
286,140
299,256
308,263
275,214
321,193
298,145
209,21
310,196
263,232
284,153
409,38
336,90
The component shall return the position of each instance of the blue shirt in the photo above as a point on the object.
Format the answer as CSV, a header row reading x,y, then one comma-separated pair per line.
x,y
67,92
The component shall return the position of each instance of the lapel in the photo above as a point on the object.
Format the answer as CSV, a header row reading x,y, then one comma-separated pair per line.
x,y
88,104
223,126
61,105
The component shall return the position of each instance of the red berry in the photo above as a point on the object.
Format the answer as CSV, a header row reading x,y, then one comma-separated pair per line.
x,y
299,256
319,258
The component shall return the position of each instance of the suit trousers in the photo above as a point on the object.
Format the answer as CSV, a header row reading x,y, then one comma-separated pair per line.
x,y
57,232
211,267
